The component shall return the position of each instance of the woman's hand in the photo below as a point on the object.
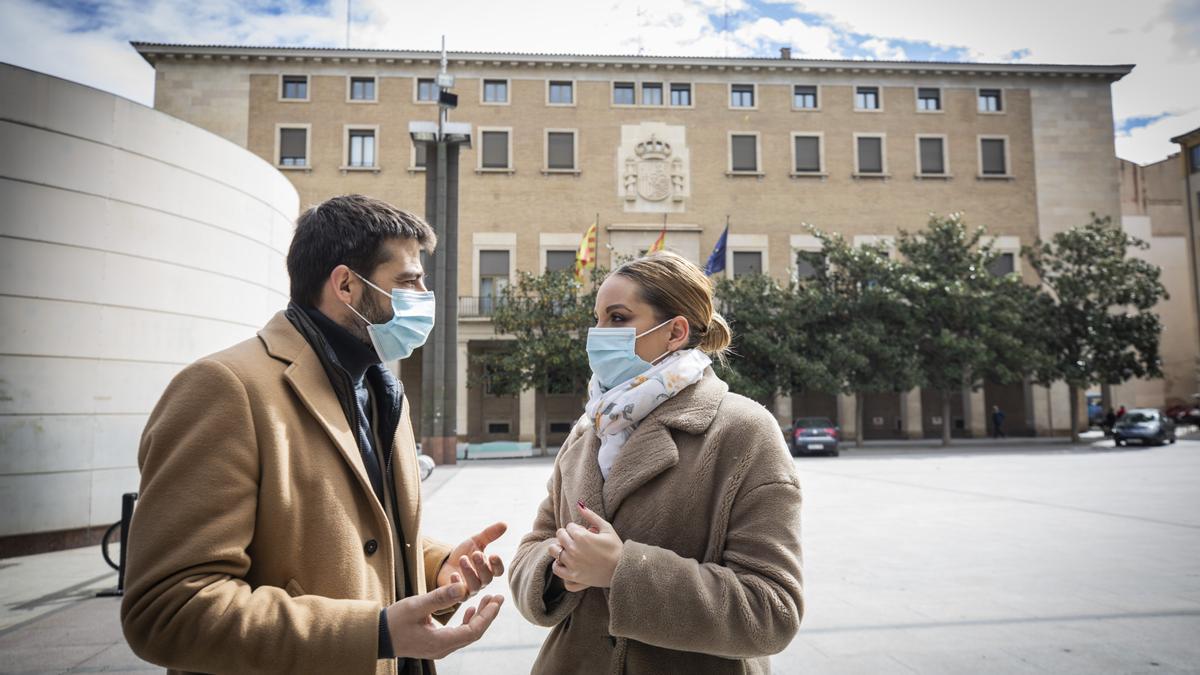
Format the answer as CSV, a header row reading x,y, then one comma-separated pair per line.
x,y
586,557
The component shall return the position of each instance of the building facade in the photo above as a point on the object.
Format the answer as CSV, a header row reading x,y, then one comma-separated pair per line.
x,y
863,148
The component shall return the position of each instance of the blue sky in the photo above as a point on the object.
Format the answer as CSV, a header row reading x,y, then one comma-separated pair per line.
x,y
87,40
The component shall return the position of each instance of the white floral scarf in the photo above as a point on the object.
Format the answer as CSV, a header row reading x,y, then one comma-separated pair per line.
x,y
617,412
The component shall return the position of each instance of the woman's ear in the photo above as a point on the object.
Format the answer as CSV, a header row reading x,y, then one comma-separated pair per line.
x,y
680,331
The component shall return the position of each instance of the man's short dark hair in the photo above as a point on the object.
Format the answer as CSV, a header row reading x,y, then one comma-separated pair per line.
x,y
347,230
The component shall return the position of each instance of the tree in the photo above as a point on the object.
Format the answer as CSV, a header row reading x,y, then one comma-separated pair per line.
x,y
864,337
548,315
969,324
1101,301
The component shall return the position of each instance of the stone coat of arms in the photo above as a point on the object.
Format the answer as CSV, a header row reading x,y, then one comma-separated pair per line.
x,y
654,175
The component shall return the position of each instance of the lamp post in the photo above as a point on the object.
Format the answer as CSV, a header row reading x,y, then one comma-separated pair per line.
x,y
442,141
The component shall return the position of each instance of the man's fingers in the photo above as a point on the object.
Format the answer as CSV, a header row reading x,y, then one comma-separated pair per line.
x,y
490,533
442,598
456,637
469,575
468,614
497,565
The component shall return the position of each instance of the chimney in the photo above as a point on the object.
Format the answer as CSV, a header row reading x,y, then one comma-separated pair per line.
x,y
785,52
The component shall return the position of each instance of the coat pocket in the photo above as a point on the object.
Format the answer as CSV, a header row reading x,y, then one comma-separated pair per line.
x,y
293,588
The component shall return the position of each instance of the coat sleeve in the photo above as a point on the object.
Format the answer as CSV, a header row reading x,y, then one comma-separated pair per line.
x,y
187,605
748,605
531,566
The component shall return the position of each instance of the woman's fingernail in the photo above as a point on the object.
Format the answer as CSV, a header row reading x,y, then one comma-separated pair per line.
x,y
582,505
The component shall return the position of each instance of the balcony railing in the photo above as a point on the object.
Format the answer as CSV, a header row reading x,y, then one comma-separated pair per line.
x,y
471,306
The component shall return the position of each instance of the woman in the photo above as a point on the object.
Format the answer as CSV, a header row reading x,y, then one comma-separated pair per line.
x,y
670,538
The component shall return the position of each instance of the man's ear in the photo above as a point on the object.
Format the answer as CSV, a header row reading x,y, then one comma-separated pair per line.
x,y
340,281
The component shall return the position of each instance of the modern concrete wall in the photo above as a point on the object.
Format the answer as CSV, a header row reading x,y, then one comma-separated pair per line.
x,y
131,243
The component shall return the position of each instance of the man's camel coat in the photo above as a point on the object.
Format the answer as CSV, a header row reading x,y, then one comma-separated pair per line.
x,y
257,544
705,496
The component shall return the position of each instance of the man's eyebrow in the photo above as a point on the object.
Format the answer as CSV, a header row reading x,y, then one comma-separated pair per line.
x,y
410,274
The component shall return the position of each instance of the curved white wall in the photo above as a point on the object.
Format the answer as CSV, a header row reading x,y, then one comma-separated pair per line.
x,y
131,243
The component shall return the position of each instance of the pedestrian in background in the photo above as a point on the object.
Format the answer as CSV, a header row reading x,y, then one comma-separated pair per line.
x,y
997,422
669,541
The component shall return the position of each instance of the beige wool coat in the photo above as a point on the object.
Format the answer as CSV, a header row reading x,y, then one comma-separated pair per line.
x,y
705,496
249,548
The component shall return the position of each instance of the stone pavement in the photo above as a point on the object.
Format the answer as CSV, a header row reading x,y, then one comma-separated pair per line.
x,y
1028,557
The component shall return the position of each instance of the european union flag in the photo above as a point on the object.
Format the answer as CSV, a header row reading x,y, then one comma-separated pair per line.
x,y
716,261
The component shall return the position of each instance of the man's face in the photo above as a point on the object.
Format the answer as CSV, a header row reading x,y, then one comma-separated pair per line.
x,y
401,269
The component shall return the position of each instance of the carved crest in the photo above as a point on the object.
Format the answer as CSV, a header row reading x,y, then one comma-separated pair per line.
x,y
653,176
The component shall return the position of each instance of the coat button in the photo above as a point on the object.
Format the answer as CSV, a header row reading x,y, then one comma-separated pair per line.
x,y
371,546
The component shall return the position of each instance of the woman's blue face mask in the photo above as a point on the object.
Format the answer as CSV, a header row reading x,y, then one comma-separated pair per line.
x,y
613,357
412,320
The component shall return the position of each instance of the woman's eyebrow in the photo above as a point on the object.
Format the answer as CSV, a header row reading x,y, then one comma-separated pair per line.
x,y
612,307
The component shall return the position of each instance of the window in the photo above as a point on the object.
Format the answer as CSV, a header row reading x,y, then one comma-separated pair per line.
x,y
1003,264
866,98
1194,158
498,427
493,279
929,99
746,262
807,264
362,148
622,93
808,153
362,89
681,95
870,154
560,261
743,150
560,150
932,154
990,100
426,89
294,87
293,147
804,97
419,152
992,159
495,91
741,95
493,150
652,93
562,93
561,427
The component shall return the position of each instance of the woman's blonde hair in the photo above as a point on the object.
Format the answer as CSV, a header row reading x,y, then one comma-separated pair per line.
x,y
673,286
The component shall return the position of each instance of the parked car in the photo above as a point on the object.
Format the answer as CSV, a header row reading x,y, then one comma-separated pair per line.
x,y
1184,414
814,435
1146,425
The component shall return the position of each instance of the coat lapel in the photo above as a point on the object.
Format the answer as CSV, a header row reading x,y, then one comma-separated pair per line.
x,y
307,378
651,450
407,488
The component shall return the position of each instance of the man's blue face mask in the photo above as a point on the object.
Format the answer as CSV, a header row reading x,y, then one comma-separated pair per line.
x,y
612,354
412,320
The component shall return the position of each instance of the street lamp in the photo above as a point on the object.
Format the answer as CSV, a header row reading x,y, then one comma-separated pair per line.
x,y
442,141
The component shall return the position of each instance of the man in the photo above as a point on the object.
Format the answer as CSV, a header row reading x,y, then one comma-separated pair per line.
x,y
998,422
278,526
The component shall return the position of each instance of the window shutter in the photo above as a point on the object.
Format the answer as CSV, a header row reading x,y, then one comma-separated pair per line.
x,y
560,150
493,264
808,153
992,150
292,142
931,156
495,149
870,155
744,153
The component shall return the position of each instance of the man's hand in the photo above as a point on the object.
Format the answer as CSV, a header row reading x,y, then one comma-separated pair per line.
x,y
415,635
470,565
586,557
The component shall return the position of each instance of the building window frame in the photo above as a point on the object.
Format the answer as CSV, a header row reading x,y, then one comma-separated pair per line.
x,y
820,136
283,77
416,97
878,98
817,96
691,90
623,84
945,139
1008,168
758,159
350,89
347,130
412,157
941,99
662,94
485,81
479,167
546,169
883,155
753,96
1002,101
307,166
799,243
574,93
747,243
492,241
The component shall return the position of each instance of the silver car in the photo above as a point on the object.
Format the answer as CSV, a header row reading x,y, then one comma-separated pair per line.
x,y
1147,425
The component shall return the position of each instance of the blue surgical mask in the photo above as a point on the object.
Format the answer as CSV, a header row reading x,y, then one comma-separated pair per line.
x,y
612,356
412,319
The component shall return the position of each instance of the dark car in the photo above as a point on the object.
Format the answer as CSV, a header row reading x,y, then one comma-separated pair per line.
x,y
813,436
1146,425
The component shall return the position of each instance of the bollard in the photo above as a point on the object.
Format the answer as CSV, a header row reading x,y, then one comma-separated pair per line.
x,y
127,502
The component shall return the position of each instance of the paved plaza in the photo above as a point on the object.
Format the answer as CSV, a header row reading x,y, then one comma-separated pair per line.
x,y
1023,558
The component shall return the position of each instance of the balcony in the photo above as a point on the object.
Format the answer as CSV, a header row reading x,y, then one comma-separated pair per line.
x,y
477,307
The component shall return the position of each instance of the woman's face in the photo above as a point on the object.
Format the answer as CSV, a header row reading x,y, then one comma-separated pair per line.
x,y
619,305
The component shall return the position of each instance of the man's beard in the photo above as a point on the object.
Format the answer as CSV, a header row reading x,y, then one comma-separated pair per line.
x,y
375,311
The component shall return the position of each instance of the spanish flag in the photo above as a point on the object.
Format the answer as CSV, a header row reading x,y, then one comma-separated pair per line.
x,y
585,257
658,243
